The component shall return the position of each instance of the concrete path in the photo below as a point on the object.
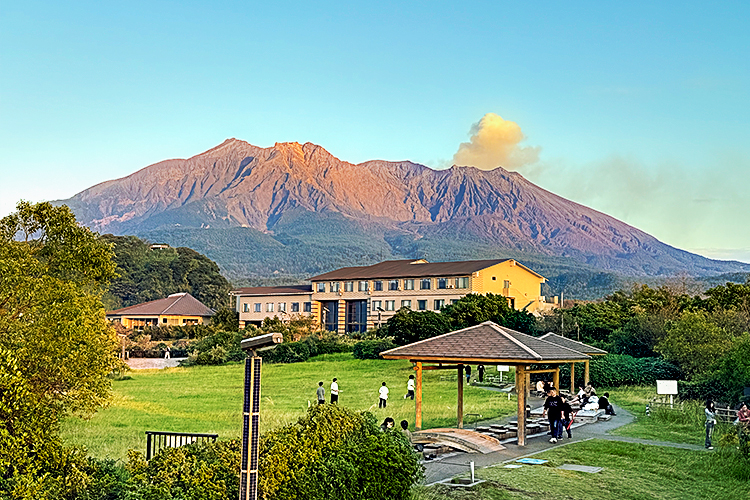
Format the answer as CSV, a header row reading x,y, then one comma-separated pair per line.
x,y
454,464
153,363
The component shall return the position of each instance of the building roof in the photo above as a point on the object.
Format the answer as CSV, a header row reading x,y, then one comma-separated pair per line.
x,y
274,290
177,304
411,269
485,342
572,344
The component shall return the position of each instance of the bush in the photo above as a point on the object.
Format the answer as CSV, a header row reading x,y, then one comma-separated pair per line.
x,y
216,349
371,349
295,352
614,370
200,471
334,452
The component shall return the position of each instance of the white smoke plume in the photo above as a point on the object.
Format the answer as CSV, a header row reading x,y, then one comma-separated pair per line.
x,y
495,143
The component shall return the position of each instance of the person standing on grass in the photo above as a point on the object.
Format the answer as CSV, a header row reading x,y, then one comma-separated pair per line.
x,y
467,370
553,409
743,420
480,373
710,422
166,353
321,393
410,388
383,401
334,391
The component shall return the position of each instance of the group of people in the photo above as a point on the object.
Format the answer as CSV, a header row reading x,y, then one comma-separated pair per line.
x,y
383,392
742,422
560,413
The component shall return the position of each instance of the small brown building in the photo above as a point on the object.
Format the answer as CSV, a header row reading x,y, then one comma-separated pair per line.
x,y
177,309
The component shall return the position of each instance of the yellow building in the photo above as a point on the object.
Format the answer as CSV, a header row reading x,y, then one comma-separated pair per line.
x,y
177,309
354,299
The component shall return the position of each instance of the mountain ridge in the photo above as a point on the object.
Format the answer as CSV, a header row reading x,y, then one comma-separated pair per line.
x,y
237,184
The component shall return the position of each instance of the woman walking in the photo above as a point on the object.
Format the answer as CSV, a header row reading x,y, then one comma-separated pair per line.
x,y
710,422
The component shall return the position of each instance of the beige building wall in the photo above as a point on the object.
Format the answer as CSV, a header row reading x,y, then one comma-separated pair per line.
x,y
247,309
522,286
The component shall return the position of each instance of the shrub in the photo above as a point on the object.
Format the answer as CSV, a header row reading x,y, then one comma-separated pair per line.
x,y
295,352
620,369
334,452
371,349
200,471
216,349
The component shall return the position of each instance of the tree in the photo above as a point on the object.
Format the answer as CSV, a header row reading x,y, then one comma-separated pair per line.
x,y
694,343
56,348
473,309
407,326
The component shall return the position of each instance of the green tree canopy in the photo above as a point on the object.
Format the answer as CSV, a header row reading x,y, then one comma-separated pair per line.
x,y
146,274
56,348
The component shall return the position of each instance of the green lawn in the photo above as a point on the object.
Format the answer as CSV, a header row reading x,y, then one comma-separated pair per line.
x,y
631,471
209,399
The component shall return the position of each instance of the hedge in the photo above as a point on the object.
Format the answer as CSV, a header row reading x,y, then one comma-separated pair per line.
x,y
371,349
614,370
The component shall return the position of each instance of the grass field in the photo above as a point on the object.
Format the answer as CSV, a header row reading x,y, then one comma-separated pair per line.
x,y
631,471
209,399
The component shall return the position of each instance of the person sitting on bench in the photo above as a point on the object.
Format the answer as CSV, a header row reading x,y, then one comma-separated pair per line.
x,y
605,405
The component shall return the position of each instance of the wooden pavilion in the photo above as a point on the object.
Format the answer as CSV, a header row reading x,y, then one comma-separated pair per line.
x,y
487,344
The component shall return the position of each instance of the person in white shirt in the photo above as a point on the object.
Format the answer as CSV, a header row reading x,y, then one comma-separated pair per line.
x,y
383,396
410,388
334,391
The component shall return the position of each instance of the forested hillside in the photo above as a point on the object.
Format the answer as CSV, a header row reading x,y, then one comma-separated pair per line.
x,y
149,274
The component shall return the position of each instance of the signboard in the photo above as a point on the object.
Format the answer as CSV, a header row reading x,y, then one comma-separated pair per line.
x,y
503,368
666,387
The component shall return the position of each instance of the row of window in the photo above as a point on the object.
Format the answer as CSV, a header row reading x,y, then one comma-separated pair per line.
x,y
390,305
257,307
408,284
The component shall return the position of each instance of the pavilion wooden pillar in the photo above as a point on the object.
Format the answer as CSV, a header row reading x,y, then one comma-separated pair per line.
x,y
418,387
586,373
572,378
556,378
460,405
528,385
521,378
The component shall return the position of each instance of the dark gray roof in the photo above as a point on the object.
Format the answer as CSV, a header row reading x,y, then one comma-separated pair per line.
x,y
177,304
485,342
274,290
572,344
410,269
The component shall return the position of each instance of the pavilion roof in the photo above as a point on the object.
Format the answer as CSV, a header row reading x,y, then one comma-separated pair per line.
x,y
573,344
483,343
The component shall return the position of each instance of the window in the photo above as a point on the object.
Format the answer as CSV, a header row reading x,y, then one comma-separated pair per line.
x,y
453,301
378,286
282,307
269,307
494,278
422,305
393,285
506,284
442,283
295,307
377,304
308,307
462,282
335,286
245,307
321,287
439,304
364,286
408,284
257,307
425,284
164,320
349,286
406,303
390,305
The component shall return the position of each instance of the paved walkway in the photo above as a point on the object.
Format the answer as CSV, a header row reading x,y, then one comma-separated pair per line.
x,y
454,464
153,363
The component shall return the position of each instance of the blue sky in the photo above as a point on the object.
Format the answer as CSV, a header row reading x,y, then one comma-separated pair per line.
x,y
639,109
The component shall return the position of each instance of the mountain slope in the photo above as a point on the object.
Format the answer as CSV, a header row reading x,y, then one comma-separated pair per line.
x,y
289,191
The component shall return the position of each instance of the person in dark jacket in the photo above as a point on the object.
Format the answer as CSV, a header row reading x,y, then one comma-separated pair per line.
x,y
467,370
553,409
565,423
480,372
605,405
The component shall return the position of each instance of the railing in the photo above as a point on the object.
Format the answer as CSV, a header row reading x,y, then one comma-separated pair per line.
x,y
156,440
476,416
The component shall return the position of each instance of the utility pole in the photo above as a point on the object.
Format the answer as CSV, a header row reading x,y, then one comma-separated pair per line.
x,y
562,313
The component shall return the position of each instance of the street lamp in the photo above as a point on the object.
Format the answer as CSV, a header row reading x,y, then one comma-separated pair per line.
x,y
251,412
380,311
